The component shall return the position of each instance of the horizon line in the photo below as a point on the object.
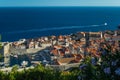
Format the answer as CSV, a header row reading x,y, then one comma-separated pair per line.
x,y
58,6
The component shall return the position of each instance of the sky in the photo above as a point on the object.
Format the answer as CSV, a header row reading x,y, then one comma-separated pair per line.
x,y
5,3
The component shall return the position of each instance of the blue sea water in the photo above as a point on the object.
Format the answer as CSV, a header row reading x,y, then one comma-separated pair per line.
x,y
32,22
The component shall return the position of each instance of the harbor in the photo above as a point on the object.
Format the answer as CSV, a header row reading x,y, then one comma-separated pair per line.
x,y
56,51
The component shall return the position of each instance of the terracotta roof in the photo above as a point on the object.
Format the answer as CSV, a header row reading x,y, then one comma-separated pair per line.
x,y
61,37
66,60
115,38
107,35
82,42
94,52
75,46
78,57
54,52
67,50
62,53
58,47
56,62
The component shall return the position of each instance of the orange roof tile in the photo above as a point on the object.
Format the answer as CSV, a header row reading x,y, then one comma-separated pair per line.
x,y
55,52
58,47
66,60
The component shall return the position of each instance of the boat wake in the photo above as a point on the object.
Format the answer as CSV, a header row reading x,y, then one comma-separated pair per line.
x,y
57,28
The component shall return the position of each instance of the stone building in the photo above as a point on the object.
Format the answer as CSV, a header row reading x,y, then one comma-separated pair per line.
x,y
5,51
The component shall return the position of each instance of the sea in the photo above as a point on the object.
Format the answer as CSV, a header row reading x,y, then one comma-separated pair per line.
x,y
33,22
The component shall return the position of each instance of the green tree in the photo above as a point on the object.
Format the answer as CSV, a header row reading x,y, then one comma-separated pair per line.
x,y
15,68
11,76
2,76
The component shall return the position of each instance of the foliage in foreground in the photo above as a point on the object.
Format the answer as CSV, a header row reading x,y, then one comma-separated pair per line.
x,y
38,73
